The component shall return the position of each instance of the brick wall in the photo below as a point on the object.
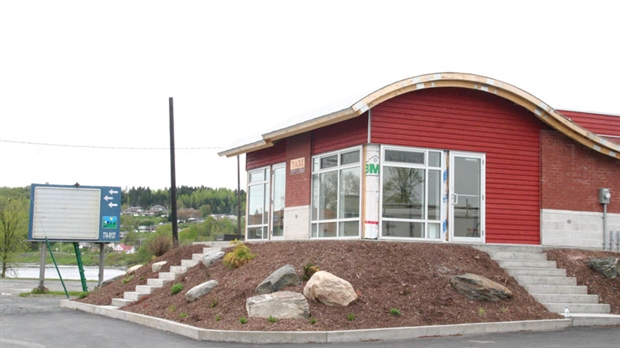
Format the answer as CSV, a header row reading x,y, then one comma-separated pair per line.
x,y
298,184
572,175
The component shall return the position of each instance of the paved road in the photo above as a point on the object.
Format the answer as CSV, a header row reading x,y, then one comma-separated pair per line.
x,y
40,322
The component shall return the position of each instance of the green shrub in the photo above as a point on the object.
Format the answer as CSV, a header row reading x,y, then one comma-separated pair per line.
x,y
83,294
481,312
218,317
309,270
239,256
128,278
243,320
350,317
214,303
272,319
176,288
395,312
183,315
312,321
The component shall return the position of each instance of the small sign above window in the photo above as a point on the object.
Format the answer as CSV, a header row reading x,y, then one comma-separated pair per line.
x,y
298,165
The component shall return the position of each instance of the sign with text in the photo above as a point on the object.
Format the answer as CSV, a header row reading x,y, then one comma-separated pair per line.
x,y
70,213
298,165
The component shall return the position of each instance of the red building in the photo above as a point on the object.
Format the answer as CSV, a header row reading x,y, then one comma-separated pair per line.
x,y
442,157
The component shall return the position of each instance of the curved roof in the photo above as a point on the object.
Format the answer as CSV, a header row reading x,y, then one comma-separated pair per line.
x,y
539,109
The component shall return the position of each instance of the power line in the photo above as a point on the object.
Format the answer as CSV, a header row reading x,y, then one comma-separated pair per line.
x,y
108,147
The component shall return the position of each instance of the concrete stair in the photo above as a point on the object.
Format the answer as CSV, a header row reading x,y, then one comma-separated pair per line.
x,y
550,286
163,279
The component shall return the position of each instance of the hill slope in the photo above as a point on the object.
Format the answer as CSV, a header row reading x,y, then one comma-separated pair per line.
x,y
412,277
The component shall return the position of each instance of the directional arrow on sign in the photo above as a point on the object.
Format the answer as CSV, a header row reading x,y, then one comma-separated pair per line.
x,y
107,198
112,191
112,205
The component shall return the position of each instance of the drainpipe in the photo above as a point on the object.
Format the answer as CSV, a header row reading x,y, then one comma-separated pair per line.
x,y
603,197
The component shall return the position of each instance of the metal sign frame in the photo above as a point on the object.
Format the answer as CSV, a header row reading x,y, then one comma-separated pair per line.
x,y
74,213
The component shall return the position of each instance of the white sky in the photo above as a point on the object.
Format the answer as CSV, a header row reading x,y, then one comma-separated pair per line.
x,y
99,73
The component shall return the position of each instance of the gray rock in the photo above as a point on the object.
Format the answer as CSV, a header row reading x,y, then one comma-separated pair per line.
x,y
330,290
280,305
133,269
478,287
284,276
608,266
199,291
211,256
156,267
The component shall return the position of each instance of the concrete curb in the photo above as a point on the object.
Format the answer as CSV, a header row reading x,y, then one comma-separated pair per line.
x,y
386,334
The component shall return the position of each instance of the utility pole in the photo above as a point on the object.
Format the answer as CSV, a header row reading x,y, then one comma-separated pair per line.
x,y
173,185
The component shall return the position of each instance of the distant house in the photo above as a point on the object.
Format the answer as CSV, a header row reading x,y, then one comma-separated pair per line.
x,y
124,248
135,211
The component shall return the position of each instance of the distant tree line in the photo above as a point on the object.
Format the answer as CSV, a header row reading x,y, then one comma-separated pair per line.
x,y
205,199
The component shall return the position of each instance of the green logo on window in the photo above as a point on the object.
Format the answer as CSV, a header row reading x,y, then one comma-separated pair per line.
x,y
372,169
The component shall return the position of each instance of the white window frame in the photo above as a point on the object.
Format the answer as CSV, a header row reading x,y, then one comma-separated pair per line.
x,y
316,171
442,192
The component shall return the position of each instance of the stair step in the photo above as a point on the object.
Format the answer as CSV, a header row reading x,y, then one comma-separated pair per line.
x,y
600,308
178,269
549,272
556,289
157,283
565,298
121,302
167,275
526,264
189,263
519,256
538,280
145,289
133,295
197,257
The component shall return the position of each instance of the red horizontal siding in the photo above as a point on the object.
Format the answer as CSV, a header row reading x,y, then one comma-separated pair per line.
x,y
267,156
596,123
341,135
467,120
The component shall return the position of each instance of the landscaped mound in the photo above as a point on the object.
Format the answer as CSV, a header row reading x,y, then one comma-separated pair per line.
x,y
398,284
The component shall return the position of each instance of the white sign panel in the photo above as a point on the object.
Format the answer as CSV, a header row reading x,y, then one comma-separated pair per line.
x,y
66,213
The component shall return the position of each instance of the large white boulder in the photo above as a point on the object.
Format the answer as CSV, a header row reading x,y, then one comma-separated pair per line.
x,y
330,290
200,290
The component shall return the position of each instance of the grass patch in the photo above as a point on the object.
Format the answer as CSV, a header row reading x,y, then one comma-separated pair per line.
x,y
55,293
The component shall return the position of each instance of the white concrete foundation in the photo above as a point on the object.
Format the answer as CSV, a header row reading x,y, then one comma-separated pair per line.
x,y
297,223
576,229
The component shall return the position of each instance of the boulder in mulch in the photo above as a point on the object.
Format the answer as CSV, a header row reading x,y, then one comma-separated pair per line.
x,y
279,305
157,266
329,290
608,266
132,270
477,287
279,279
211,256
199,291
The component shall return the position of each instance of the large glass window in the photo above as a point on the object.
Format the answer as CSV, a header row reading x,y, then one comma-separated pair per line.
x,y
411,193
266,193
336,200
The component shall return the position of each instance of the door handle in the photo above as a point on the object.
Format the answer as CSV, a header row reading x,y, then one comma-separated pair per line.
x,y
455,198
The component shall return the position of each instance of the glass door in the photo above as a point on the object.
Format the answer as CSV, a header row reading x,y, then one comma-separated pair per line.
x,y
467,190
278,195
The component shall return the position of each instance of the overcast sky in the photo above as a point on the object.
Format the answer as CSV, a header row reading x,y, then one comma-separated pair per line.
x,y
95,76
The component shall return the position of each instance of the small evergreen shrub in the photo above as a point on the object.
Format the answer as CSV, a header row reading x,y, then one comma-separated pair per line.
x,y
312,321
176,288
395,312
239,256
218,317
350,317
309,270
243,320
183,315
272,319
